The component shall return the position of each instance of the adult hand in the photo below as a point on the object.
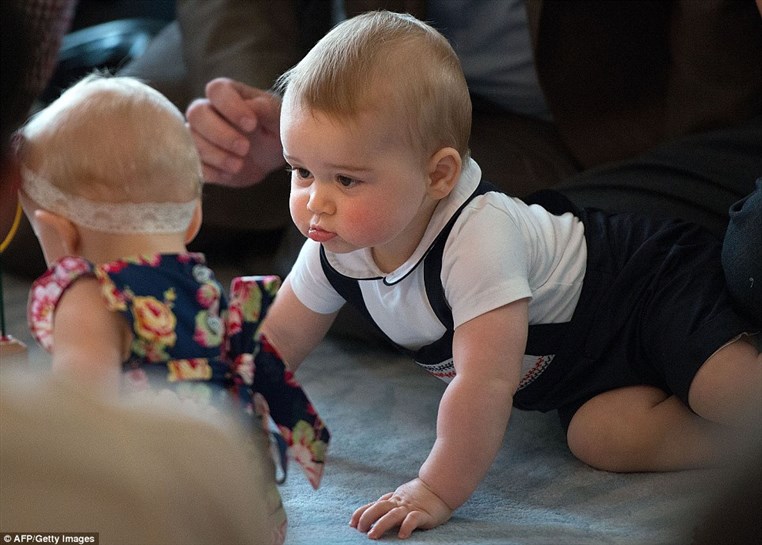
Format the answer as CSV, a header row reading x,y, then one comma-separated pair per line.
x,y
413,505
236,129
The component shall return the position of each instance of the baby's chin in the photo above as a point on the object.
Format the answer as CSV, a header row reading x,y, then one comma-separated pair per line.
x,y
339,245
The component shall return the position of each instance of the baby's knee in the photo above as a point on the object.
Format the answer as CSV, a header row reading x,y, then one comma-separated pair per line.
x,y
604,433
596,447
587,445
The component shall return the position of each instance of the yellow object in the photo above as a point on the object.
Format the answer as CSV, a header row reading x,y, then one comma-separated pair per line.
x,y
12,232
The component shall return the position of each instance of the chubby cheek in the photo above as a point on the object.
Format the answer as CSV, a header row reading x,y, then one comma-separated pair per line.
x,y
297,205
365,226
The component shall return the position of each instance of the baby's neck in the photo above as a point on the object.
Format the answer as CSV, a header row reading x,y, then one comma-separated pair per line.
x,y
104,248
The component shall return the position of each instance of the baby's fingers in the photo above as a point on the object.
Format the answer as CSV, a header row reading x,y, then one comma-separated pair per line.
x,y
414,519
355,520
392,519
360,511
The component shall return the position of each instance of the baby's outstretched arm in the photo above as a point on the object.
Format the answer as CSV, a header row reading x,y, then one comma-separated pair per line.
x,y
89,341
471,423
292,328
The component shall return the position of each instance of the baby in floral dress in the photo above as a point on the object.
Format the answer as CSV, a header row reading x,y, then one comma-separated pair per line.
x,y
112,187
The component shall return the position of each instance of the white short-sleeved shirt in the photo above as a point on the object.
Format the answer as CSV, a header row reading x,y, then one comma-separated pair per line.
x,y
500,250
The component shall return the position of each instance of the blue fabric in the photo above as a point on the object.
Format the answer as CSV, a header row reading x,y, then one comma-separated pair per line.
x,y
742,254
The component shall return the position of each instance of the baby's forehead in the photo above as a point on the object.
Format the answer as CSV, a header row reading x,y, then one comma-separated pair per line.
x,y
382,125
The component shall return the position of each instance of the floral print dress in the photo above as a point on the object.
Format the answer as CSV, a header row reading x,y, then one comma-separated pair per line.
x,y
188,339
173,305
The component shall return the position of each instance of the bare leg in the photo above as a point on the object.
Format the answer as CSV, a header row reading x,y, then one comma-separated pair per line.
x,y
642,428
728,387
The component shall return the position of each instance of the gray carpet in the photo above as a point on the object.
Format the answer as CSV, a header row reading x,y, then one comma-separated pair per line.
x,y
381,410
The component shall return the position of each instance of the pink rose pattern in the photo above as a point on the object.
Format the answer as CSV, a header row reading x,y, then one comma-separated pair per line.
x,y
259,369
45,293
186,333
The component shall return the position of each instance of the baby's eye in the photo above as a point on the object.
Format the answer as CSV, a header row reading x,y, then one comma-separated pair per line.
x,y
346,181
300,172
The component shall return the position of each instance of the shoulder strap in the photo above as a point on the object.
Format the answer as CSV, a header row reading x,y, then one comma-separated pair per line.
x,y
432,265
349,288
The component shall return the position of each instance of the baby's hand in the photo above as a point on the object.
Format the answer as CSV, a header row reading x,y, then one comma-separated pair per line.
x,y
413,505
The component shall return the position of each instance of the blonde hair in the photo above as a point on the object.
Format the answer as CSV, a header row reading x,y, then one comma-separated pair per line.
x,y
382,60
114,140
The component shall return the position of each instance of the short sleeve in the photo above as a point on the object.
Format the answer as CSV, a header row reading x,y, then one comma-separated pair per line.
x,y
486,261
46,292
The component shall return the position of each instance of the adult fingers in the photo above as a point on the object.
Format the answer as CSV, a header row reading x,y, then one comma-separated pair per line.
x,y
208,125
231,99
218,165
267,110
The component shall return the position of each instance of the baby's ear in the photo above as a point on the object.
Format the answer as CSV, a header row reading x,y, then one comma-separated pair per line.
x,y
444,171
58,236
195,223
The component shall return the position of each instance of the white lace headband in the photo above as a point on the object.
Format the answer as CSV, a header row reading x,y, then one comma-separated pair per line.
x,y
108,217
